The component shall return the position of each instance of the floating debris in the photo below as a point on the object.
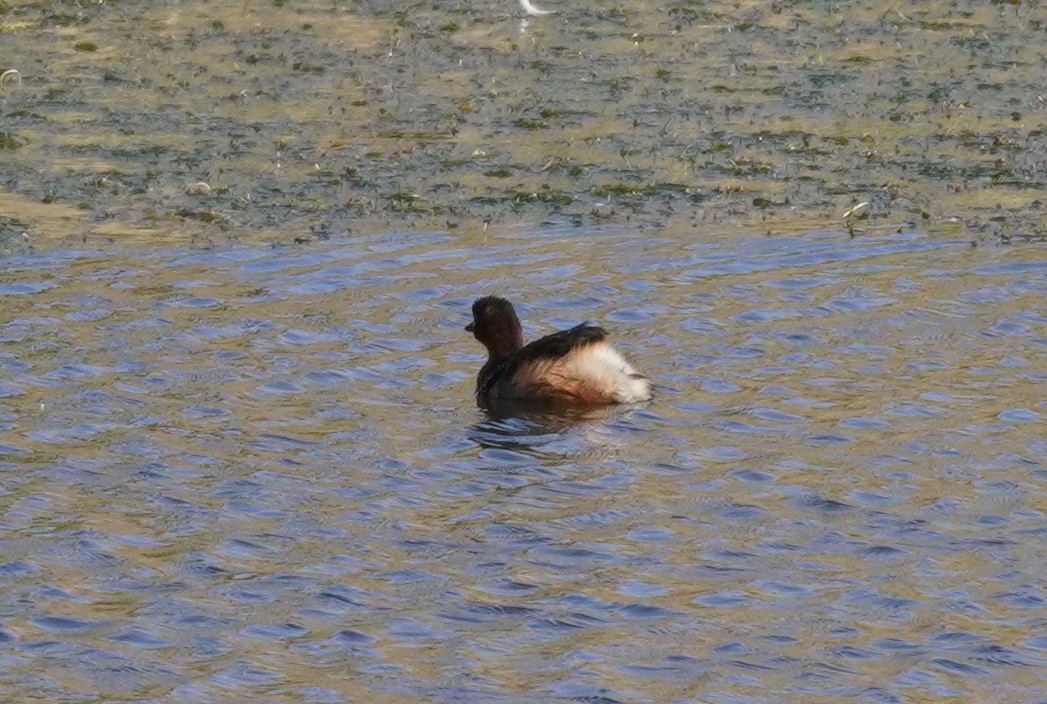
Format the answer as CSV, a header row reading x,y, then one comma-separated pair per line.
x,y
532,10
14,74
860,209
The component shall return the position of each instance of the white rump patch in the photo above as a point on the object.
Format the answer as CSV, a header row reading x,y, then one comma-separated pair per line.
x,y
602,367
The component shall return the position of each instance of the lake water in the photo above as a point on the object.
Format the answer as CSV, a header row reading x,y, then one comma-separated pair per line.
x,y
258,474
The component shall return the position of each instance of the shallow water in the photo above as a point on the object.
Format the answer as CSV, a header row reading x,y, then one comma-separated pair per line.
x,y
204,121
257,475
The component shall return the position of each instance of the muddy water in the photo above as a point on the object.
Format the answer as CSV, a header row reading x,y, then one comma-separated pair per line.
x,y
257,475
152,122
253,473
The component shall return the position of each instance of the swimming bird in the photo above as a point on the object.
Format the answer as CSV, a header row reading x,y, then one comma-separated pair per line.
x,y
575,367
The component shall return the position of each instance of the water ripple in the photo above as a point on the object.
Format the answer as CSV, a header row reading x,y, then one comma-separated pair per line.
x,y
260,473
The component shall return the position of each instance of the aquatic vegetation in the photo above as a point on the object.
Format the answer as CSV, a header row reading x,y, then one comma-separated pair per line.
x,y
290,111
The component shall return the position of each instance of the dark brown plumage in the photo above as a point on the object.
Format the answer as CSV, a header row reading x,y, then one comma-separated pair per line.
x,y
571,367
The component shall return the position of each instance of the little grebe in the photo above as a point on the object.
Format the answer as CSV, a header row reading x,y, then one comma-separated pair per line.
x,y
571,367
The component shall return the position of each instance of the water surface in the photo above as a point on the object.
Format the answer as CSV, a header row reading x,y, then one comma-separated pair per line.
x,y
258,475
226,120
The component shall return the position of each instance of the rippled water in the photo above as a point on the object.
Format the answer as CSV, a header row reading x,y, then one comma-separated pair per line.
x,y
258,475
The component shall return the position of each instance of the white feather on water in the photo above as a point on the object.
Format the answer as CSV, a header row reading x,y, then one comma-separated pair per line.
x,y
532,10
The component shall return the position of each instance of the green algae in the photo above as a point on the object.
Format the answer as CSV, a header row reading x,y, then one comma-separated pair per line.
x,y
735,116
